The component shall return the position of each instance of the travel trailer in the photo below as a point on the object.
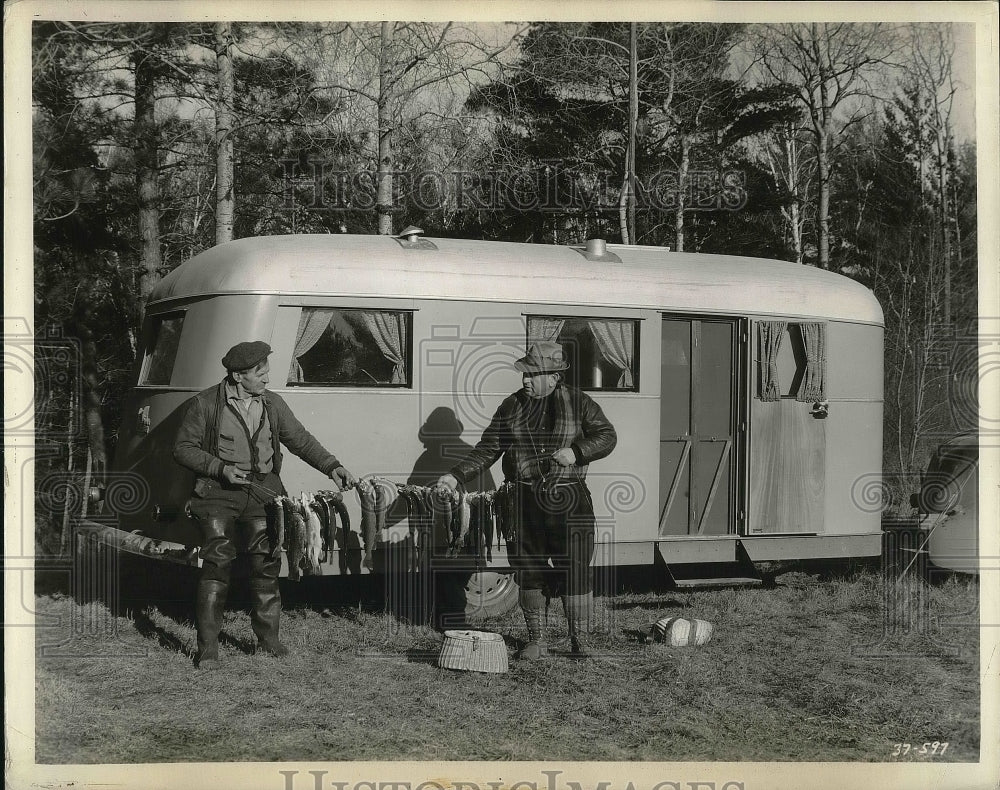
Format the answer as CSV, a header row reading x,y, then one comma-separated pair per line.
x,y
746,393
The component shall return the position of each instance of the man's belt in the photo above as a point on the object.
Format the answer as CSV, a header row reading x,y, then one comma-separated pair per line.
x,y
552,483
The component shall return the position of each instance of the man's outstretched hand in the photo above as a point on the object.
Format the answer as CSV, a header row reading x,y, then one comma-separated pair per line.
x,y
343,478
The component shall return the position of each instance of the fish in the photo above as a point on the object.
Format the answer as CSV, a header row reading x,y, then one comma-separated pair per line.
x,y
489,523
441,504
314,535
386,494
337,501
329,522
320,506
463,515
416,511
275,513
366,495
506,512
296,528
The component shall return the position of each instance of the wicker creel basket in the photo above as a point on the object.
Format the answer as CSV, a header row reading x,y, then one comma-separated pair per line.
x,y
473,651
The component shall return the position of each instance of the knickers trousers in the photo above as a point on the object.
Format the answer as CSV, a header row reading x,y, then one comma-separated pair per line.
x,y
555,525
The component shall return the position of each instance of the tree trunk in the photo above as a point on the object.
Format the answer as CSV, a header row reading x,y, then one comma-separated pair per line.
x,y
383,199
146,174
823,209
70,449
90,381
823,132
682,176
224,197
795,210
633,121
943,219
623,210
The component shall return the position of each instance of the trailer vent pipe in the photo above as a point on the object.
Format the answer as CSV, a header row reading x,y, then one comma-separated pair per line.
x,y
411,234
597,247
597,250
410,238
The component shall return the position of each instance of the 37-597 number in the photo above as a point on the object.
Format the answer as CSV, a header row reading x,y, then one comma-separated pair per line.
x,y
930,748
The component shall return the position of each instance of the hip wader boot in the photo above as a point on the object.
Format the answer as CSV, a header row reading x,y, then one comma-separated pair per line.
x,y
533,604
265,595
265,615
209,606
578,608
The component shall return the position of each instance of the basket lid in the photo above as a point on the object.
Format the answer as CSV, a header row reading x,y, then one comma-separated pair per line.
x,y
473,651
473,636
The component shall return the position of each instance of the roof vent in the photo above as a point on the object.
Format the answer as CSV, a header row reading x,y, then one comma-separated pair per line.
x,y
409,238
597,247
597,250
411,233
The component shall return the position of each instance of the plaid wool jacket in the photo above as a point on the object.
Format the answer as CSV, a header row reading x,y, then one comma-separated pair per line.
x,y
527,454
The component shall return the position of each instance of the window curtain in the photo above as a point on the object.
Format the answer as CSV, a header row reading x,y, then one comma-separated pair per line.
x,y
544,328
813,385
312,325
769,335
616,339
389,331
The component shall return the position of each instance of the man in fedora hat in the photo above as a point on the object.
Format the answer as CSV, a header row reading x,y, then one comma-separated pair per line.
x,y
547,434
231,438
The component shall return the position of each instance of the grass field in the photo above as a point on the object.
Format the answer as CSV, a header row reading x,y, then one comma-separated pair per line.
x,y
831,669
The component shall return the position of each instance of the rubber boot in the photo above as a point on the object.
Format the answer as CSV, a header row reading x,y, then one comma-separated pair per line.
x,y
533,604
578,608
265,615
210,604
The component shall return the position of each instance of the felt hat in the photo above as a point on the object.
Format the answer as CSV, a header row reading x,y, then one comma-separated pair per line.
x,y
544,356
244,356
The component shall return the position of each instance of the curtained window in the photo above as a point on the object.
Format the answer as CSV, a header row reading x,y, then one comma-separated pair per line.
x,y
352,348
791,361
813,386
769,336
601,351
161,348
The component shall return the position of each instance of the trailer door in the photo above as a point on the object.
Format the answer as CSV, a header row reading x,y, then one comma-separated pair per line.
x,y
787,452
701,442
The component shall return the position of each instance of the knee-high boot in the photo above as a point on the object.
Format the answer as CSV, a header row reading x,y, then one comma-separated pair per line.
x,y
209,606
217,554
265,615
578,609
265,594
534,607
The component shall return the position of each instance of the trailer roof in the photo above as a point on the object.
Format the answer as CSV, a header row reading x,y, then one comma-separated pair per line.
x,y
462,269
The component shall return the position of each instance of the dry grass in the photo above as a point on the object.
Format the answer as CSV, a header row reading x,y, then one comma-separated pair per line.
x,y
784,678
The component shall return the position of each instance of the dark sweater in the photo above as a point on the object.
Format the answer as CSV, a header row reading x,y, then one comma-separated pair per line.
x,y
197,443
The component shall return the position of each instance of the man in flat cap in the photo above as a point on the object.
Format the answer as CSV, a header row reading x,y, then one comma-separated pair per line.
x,y
231,438
547,434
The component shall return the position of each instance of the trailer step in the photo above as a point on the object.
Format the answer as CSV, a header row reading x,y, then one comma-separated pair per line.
x,y
724,581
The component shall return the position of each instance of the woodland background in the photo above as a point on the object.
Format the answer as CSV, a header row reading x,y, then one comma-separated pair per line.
x,y
155,141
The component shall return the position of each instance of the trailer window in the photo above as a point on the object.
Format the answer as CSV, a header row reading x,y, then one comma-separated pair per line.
x,y
161,349
792,360
352,348
601,351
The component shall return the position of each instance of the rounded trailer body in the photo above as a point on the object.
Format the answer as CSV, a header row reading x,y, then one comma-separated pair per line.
x,y
395,353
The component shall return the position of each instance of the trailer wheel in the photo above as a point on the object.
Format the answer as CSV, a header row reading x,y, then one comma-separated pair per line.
x,y
490,593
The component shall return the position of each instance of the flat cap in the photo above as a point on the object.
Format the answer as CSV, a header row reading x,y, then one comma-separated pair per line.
x,y
244,356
